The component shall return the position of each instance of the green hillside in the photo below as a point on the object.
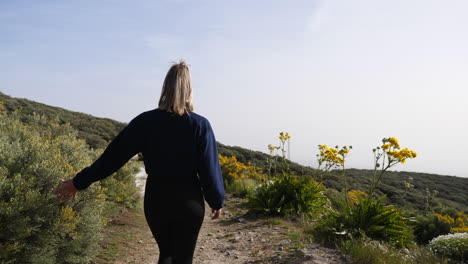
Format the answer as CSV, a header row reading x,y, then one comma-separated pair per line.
x,y
96,131
450,191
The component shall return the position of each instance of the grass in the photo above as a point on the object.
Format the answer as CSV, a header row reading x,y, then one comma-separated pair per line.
x,y
373,252
276,221
298,239
123,228
241,187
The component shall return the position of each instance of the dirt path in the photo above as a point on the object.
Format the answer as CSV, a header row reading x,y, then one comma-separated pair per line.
x,y
238,239
233,239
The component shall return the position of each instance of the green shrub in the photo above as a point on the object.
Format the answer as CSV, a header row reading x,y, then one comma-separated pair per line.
x,y
452,246
120,188
367,218
287,194
371,251
241,187
428,227
35,226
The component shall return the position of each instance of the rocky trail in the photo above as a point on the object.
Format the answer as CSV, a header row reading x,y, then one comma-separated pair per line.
x,y
234,239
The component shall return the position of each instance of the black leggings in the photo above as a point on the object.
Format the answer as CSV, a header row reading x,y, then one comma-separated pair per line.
x,y
175,216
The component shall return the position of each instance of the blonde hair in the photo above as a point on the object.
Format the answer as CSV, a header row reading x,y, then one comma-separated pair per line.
x,y
176,94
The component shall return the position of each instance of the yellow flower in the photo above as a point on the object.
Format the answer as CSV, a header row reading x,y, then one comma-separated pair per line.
x,y
356,195
284,136
393,140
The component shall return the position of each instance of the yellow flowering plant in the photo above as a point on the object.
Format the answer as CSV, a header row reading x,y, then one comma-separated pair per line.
x,y
273,149
284,137
386,156
361,214
356,196
232,170
458,223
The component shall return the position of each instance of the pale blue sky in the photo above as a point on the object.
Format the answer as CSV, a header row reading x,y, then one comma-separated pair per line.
x,y
327,72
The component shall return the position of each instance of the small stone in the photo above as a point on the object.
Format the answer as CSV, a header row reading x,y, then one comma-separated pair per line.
x,y
251,239
241,220
140,241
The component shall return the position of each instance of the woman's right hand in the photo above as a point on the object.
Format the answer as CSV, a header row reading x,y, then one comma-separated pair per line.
x,y
216,213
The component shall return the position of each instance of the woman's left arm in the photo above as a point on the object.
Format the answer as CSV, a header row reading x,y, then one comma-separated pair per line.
x,y
126,145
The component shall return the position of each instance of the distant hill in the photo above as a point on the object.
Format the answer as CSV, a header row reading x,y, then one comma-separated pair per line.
x,y
97,132
451,191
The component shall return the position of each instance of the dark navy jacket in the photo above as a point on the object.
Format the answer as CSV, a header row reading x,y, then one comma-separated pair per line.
x,y
177,150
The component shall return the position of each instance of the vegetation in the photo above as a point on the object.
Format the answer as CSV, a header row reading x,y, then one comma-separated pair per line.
x,y
284,193
429,191
97,132
367,218
233,170
39,145
453,246
362,214
371,251
287,194
242,187
35,153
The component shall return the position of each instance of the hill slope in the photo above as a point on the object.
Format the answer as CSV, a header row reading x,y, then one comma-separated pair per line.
x,y
451,191
96,131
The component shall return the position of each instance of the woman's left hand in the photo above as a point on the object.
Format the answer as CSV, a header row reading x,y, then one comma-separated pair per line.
x,y
67,190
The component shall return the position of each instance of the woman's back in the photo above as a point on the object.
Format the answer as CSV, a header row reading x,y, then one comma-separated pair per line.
x,y
170,149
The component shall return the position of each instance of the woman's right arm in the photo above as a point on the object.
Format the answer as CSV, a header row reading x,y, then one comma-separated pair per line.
x,y
126,145
209,170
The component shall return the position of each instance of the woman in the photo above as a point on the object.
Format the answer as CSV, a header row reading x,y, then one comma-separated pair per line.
x,y
181,160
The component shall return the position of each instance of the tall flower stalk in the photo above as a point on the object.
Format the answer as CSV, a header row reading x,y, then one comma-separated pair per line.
x,y
386,156
333,158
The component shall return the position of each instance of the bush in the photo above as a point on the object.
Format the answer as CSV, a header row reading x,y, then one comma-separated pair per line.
x,y
35,226
429,227
120,188
287,194
371,251
232,170
367,218
241,187
437,224
452,246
